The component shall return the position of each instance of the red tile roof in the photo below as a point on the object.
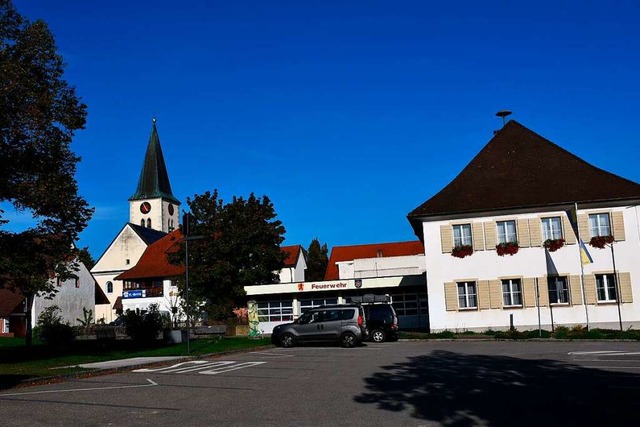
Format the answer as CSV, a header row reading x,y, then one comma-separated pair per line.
x,y
154,262
9,302
520,169
293,252
375,250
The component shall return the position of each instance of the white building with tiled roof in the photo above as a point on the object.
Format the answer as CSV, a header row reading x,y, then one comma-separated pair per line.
x,y
502,241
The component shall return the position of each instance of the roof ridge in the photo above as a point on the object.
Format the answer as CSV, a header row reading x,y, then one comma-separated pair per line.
x,y
526,167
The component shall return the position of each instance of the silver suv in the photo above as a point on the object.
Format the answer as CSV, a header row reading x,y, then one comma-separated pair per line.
x,y
339,323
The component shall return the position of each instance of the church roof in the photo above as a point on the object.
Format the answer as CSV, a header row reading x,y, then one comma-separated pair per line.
x,y
154,179
520,169
374,250
148,235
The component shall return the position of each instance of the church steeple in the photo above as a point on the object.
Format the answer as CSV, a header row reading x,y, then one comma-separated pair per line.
x,y
153,205
154,179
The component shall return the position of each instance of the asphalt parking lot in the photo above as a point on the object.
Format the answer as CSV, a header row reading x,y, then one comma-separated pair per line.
x,y
414,383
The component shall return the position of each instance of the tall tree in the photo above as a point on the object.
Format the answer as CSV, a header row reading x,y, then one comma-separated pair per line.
x,y
240,246
84,256
39,113
317,260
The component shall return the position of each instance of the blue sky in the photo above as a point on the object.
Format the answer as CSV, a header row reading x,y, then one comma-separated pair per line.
x,y
347,114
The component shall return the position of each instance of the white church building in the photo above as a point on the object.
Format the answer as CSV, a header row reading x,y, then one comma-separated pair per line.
x,y
153,212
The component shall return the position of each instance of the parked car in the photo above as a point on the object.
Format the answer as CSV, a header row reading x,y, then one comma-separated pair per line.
x,y
382,322
344,324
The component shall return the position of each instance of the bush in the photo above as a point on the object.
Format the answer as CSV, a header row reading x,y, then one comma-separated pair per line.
x,y
50,328
512,334
444,335
143,326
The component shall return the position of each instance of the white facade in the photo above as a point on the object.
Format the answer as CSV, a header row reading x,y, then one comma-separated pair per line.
x,y
487,270
157,213
165,302
123,253
293,273
382,267
72,296
402,277
283,302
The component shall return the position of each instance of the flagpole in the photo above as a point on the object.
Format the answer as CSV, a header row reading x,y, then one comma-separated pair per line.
x,y
582,285
538,304
617,282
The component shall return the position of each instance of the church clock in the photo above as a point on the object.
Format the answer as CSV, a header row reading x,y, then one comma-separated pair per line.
x,y
145,207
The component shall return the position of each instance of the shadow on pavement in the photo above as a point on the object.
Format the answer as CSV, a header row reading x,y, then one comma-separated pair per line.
x,y
467,390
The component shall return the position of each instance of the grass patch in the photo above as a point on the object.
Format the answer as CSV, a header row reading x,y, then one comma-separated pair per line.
x,y
18,363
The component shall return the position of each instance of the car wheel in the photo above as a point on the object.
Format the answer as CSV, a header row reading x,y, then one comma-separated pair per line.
x,y
348,340
287,340
377,335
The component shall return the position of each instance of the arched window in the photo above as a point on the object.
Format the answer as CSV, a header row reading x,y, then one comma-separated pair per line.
x,y
109,287
170,225
149,223
142,222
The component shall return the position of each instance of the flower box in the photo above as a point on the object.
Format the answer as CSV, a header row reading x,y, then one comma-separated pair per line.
x,y
462,251
600,241
553,244
508,248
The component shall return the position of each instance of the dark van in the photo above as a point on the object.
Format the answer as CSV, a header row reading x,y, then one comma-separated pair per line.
x,y
382,321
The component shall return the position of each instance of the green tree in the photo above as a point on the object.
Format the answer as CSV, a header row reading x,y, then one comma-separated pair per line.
x,y
39,113
317,260
240,246
84,256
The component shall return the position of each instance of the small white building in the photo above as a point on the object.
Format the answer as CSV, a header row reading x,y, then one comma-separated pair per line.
x,y
71,297
294,265
524,193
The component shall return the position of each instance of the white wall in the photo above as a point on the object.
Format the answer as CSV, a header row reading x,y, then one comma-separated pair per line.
x,y
295,273
530,262
164,301
382,267
123,253
69,299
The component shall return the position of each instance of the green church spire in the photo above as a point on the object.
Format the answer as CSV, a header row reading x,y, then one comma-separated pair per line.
x,y
154,180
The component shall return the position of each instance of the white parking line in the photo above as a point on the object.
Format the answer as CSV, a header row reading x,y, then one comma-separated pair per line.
x,y
231,368
166,368
151,384
578,353
270,354
611,367
202,367
611,353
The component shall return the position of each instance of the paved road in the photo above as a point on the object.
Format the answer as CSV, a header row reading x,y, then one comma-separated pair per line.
x,y
390,384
